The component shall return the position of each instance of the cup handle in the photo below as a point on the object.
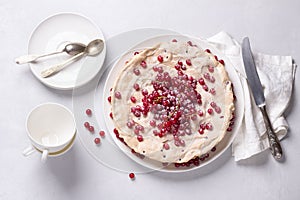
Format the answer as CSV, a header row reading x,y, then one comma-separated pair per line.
x,y
29,150
44,155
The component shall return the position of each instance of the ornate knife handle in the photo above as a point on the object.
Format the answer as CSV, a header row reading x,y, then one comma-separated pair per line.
x,y
273,139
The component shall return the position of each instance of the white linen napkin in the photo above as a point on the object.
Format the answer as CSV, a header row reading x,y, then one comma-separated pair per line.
x,y
276,74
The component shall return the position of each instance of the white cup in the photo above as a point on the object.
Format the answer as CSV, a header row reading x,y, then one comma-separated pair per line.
x,y
51,129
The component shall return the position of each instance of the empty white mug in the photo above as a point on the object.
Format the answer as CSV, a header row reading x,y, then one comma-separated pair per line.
x,y
51,129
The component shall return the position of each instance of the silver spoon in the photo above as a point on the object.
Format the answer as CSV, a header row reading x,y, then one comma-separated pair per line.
x,y
71,49
93,48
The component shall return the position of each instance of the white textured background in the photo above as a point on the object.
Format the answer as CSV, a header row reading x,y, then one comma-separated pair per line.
x,y
273,27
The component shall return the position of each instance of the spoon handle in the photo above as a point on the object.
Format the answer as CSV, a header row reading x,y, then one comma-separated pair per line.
x,y
56,68
31,58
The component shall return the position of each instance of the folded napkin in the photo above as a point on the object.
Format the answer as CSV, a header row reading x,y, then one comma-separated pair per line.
x,y
276,74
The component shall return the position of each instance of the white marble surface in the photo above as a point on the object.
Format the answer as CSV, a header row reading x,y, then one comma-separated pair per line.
x,y
273,27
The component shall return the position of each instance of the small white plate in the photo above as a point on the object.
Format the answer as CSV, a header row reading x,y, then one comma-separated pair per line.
x,y
53,34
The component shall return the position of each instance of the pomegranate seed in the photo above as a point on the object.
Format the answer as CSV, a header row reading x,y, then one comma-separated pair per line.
x,y
111,115
91,129
97,140
212,79
194,117
131,176
152,123
144,92
130,124
155,68
212,91
200,113
140,138
218,109
201,81
211,69
196,162
205,88
116,131
229,129
160,69
213,149
177,143
102,133
133,99
136,131
183,67
222,62
155,132
216,57
137,113
118,95
88,112
190,43
136,71
210,111
207,50
208,126
133,109
188,62
135,53
179,63
174,40
143,64
160,58
86,124
136,87
177,165
182,142
166,146
140,127
206,76
109,99
177,67
213,104
201,131
180,73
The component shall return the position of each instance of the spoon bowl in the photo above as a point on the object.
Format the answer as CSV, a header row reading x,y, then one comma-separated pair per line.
x,y
74,48
94,47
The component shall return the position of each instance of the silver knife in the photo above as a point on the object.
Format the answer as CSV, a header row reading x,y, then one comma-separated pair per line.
x,y
258,94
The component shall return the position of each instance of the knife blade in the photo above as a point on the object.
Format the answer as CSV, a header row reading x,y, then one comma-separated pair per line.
x,y
259,98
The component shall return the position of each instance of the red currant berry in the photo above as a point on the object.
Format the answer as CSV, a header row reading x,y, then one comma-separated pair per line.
x,y
160,58
133,99
88,112
140,138
207,50
86,124
102,133
109,99
97,140
131,175
188,62
91,129
143,64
